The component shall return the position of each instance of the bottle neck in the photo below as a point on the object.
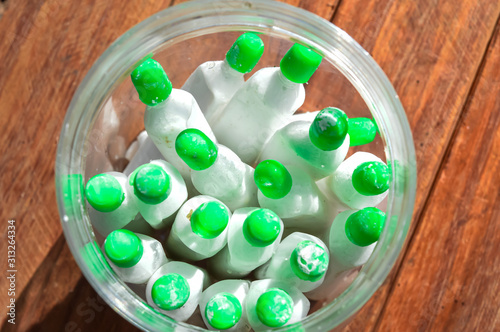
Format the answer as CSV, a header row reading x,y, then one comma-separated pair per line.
x,y
285,81
228,71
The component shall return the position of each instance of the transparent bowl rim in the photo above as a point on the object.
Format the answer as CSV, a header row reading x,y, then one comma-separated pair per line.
x,y
227,15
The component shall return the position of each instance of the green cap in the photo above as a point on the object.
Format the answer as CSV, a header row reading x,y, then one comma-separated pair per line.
x,y
371,178
104,193
299,63
123,248
223,311
151,82
209,220
170,291
261,227
364,226
151,184
245,52
196,149
309,261
273,179
361,131
329,129
274,307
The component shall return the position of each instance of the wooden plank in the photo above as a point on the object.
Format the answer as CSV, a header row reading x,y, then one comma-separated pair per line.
x,y
431,55
450,280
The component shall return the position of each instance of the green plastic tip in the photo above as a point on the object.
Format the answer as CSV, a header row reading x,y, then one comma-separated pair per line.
x,y
196,149
371,178
261,227
223,311
152,184
123,248
273,179
209,220
300,63
329,129
361,131
309,261
104,193
364,226
274,307
245,52
170,291
151,82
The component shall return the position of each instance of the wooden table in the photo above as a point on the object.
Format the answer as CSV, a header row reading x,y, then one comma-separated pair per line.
x,y
443,58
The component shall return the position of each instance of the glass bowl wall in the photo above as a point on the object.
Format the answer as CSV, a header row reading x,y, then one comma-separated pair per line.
x,y
106,115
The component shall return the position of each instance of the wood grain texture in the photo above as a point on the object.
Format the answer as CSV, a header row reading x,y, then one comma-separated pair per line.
x,y
430,49
452,268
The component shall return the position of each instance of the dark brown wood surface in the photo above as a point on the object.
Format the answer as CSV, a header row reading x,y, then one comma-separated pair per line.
x,y
443,58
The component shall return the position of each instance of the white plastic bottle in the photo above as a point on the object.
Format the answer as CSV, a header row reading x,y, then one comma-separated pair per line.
x,y
133,257
141,152
362,180
301,260
352,238
111,202
216,170
213,83
200,229
253,236
222,305
265,103
175,289
317,147
293,195
141,226
168,112
159,191
272,303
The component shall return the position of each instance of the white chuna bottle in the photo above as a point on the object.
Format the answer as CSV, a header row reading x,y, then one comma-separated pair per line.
x,y
168,112
293,195
213,83
222,305
318,146
253,236
141,152
352,238
301,260
175,289
134,257
216,170
200,229
111,202
362,180
265,103
272,304
159,191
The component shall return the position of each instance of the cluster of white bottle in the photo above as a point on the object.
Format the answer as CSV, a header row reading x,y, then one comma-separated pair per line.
x,y
191,177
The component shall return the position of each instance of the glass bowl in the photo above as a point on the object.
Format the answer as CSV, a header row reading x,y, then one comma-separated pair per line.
x,y
106,115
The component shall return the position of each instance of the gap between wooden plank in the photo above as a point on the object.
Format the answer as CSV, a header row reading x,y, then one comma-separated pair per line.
x,y
335,10
446,153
